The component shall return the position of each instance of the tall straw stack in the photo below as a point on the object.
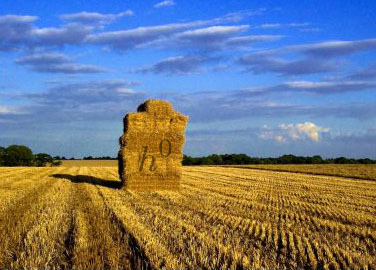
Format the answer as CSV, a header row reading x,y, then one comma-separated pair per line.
x,y
151,148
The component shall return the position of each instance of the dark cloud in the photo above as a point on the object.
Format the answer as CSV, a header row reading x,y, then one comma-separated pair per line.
x,y
15,30
80,28
310,58
335,48
56,63
71,113
188,34
244,41
241,104
70,102
105,99
365,74
129,39
69,34
213,38
92,92
266,62
180,65
209,37
166,36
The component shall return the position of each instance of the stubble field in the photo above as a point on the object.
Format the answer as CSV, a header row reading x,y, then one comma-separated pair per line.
x,y
78,218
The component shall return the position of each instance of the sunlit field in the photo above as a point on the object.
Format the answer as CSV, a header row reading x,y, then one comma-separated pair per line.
x,y
89,163
77,217
359,171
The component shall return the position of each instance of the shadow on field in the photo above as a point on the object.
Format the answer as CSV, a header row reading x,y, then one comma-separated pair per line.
x,y
89,179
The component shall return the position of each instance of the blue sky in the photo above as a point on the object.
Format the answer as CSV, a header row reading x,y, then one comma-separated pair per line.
x,y
263,78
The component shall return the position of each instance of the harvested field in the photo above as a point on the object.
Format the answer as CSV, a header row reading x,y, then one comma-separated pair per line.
x,y
89,163
359,171
78,218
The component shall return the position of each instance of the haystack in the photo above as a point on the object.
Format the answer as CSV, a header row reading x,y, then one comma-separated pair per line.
x,y
151,148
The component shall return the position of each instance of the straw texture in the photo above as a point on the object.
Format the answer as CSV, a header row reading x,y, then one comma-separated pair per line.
x,y
151,147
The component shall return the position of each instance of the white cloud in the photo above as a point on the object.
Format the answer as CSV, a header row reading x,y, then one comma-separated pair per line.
x,y
300,131
244,41
166,3
203,38
79,29
327,87
310,30
270,25
213,31
4,109
126,91
17,18
280,25
7,110
95,18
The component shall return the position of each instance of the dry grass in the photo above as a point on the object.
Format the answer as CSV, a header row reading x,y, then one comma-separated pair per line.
x,y
78,218
359,171
89,163
151,147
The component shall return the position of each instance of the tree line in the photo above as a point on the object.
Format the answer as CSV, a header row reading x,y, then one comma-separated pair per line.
x,y
85,158
237,159
21,155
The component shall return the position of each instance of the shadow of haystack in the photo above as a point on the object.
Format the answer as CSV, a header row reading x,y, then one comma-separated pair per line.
x,y
89,179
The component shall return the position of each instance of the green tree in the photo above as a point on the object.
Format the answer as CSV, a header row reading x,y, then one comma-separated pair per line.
x,y
42,159
187,160
56,163
217,159
287,159
317,159
341,160
207,161
18,155
2,155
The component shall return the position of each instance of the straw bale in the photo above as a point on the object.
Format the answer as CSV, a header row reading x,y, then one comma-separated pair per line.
x,y
151,147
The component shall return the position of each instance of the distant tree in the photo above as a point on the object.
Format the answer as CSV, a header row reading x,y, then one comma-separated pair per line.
x,y
366,161
207,161
187,160
341,160
228,159
286,159
2,155
18,155
234,159
43,159
317,159
216,159
56,163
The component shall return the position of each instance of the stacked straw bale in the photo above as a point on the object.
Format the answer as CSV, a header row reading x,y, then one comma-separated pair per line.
x,y
151,148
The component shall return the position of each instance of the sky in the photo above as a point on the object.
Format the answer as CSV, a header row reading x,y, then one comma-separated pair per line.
x,y
264,78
